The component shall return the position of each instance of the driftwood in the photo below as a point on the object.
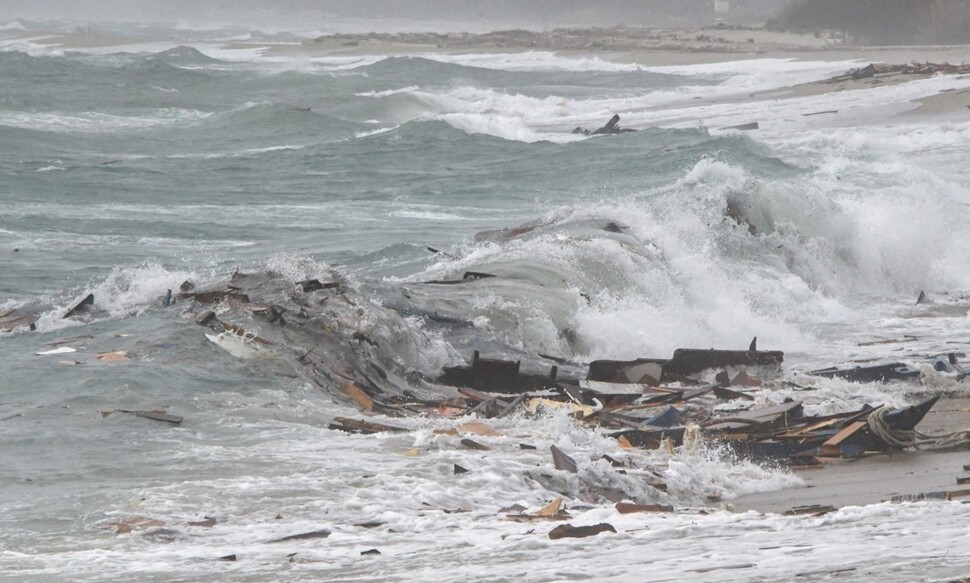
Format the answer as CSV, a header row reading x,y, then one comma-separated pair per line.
x,y
914,68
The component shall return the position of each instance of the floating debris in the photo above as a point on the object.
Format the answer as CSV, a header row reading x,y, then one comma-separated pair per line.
x,y
570,531
745,127
612,127
12,319
362,427
82,305
126,525
153,415
630,508
562,461
896,371
322,533
53,351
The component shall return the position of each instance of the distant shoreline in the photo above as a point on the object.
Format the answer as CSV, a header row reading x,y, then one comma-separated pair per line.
x,y
654,46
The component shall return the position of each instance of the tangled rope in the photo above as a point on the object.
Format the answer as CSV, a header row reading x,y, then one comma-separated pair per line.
x,y
903,438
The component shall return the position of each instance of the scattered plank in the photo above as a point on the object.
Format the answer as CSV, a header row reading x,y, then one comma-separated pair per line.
x,y
156,416
562,461
126,525
204,318
814,510
478,428
68,340
322,533
475,445
82,305
570,531
363,400
554,508
362,427
630,508
744,127
710,569
153,415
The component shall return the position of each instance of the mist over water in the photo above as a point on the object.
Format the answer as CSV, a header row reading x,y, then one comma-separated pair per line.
x,y
328,16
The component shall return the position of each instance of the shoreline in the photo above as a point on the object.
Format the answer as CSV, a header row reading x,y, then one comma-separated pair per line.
x,y
660,47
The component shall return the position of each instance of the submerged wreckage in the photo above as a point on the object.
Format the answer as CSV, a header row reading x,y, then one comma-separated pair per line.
x,y
334,338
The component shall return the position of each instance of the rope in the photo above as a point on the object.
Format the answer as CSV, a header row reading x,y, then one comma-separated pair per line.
x,y
903,438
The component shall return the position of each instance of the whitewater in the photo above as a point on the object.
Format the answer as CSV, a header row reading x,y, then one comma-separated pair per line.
x,y
132,166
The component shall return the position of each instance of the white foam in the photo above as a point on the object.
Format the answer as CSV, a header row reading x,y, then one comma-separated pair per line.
x,y
376,132
95,122
534,61
13,25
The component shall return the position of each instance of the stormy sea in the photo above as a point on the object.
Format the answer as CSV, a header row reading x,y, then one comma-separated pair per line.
x,y
445,203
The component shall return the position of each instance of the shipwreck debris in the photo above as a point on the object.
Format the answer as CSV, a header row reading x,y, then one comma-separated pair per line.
x,y
570,531
688,361
612,127
647,402
683,363
363,427
562,461
630,508
496,375
471,444
12,319
82,305
896,371
153,415
322,533
744,127
875,70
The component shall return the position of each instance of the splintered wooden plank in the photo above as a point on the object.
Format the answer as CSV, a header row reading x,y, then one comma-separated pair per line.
x,y
841,436
833,445
475,395
363,427
158,416
570,531
354,391
630,508
81,305
474,445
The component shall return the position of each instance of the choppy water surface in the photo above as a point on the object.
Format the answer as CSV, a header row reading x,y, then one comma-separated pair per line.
x,y
126,171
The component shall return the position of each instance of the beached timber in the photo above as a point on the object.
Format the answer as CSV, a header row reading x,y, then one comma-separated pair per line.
x,y
879,70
